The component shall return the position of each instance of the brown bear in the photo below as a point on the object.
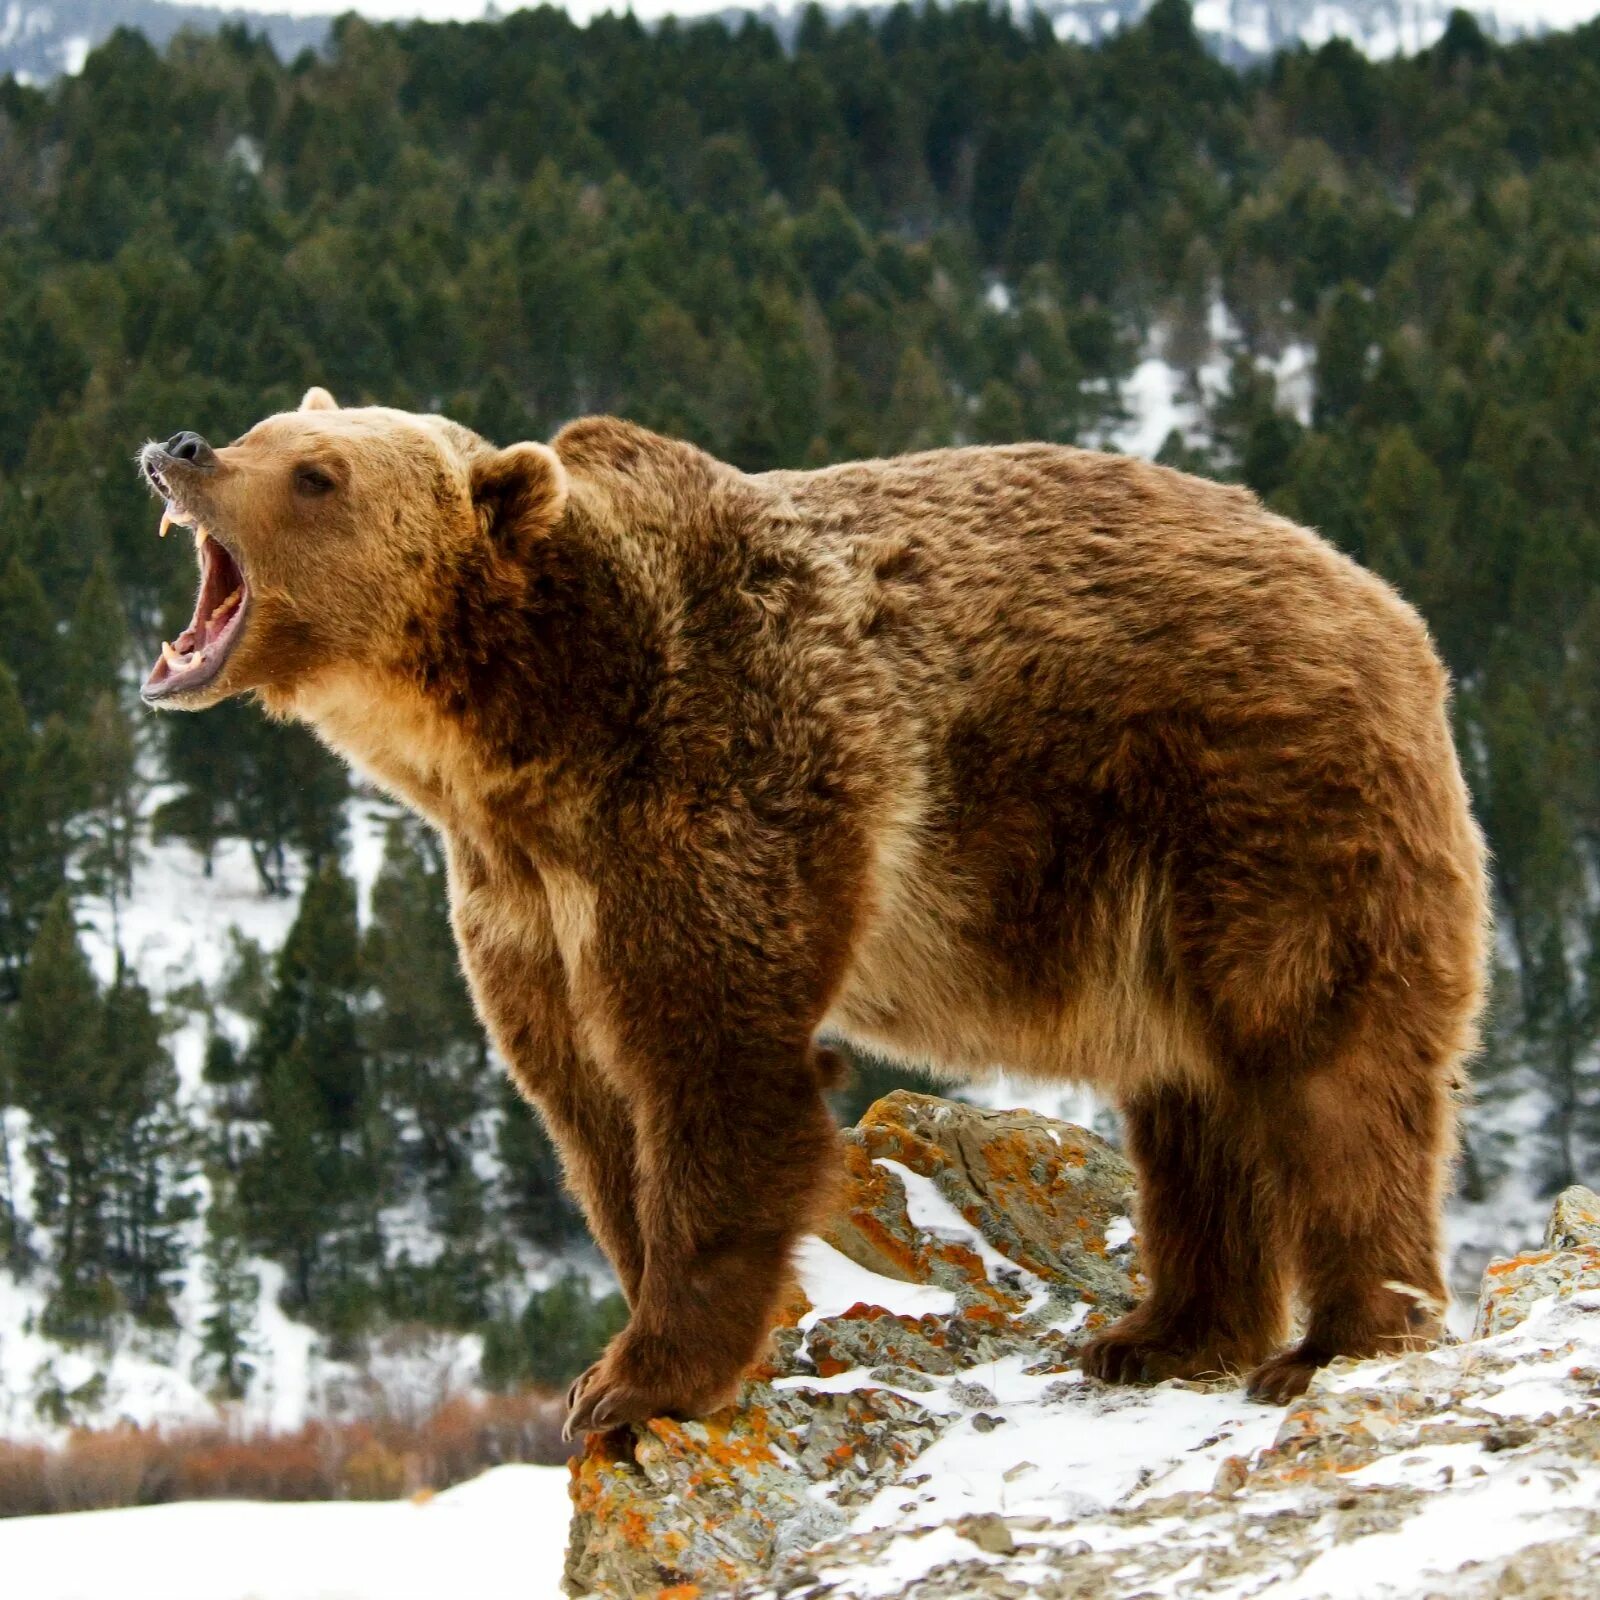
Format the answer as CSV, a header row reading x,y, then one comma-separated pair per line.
x,y
1024,756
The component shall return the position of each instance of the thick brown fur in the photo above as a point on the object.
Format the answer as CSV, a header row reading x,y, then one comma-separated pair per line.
x,y
1027,757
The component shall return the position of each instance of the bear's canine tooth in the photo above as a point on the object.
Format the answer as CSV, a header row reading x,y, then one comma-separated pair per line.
x,y
167,519
170,656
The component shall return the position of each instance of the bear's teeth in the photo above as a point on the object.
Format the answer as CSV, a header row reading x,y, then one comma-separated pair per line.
x,y
174,514
223,607
170,656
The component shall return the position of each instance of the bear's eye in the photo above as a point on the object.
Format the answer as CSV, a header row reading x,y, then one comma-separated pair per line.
x,y
312,480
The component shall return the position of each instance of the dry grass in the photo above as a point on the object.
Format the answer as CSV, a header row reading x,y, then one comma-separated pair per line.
x,y
379,1459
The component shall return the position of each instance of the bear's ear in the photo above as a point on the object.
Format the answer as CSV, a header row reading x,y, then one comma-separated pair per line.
x,y
318,399
519,492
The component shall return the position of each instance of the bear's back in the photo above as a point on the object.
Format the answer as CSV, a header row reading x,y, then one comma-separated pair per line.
x,y
1110,582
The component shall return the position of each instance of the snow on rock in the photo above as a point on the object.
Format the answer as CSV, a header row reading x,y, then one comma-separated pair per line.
x,y
903,1453
1569,1262
1006,1217
498,1537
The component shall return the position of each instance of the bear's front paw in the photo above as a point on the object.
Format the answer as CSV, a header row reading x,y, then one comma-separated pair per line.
x,y
643,1376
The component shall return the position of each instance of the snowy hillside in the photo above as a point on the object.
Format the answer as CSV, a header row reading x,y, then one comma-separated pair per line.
x,y
1247,30
177,930
1475,1462
40,39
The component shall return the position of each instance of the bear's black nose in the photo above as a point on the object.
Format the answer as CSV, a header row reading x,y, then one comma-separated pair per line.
x,y
191,448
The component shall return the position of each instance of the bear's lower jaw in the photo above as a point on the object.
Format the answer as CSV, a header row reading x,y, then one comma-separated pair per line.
x,y
202,649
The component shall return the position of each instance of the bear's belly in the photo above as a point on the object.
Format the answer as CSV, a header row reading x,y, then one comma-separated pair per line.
x,y
922,991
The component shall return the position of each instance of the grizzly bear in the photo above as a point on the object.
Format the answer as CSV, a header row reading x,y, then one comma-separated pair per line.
x,y
1025,756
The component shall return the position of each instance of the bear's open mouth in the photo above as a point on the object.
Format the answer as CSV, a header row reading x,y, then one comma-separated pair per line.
x,y
199,652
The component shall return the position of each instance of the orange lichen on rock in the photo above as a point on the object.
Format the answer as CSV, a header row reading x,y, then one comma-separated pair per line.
x,y
1040,1193
1513,1285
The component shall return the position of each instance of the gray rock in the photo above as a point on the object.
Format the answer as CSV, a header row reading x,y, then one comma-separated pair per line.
x,y
1574,1220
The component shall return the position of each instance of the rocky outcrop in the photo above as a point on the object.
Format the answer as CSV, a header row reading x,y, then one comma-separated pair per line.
x,y
1015,1224
922,1431
1041,1193
1569,1263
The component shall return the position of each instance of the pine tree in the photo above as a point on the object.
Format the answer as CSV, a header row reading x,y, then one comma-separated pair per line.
x,y
147,1162
15,1254
1257,439
58,1070
28,638
998,418
107,1142
1342,354
226,1363
26,882
429,1052
1407,521
272,785
312,1190
95,642
109,827
920,415
534,1199
561,1329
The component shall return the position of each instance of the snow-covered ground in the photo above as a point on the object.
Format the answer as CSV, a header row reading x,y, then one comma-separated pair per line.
x,y
499,1537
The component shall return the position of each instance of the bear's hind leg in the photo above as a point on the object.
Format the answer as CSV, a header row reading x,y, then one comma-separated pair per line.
x,y
1361,1150
1207,1241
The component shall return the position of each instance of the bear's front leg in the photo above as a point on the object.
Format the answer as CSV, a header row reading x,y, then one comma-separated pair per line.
x,y
737,1153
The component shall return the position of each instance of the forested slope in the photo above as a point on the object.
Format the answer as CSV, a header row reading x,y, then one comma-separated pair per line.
x,y
943,226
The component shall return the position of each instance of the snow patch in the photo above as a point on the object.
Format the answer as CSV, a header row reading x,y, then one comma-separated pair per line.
x,y
833,1283
499,1537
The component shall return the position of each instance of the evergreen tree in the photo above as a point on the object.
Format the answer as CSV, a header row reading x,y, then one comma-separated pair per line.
x,y
312,1190
31,869
109,827
560,1330
57,1074
272,785
106,1142
15,1255
534,1200
146,1166
227,1346
95,642
920,413
429,1051
28,638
